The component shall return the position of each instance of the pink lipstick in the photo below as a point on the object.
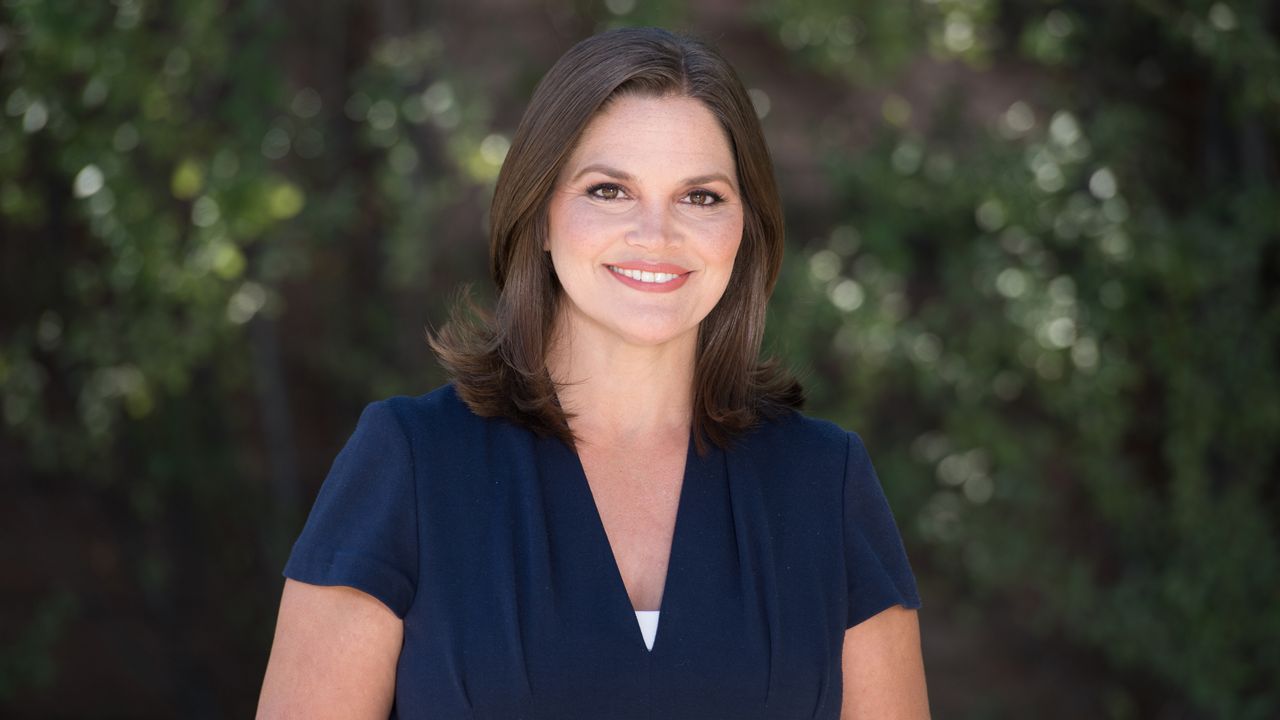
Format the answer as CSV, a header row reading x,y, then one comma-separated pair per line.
x,y
649,277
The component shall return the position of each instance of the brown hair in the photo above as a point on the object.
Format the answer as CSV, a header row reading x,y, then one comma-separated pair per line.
x,y
498,360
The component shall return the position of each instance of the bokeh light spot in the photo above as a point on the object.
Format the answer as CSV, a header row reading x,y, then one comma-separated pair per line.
x,y
926,348
438,98
1222,17
35,117
824,265
1102,184
1084,353
205,212
620,7
760,101
285,200
1049,177
306,103
1064,129
226,260
957,33
844,240
990,215
1011,283
125,138
248,299
979,489
187,180
493,149
382,115
88,181
1061,332
276,143
896,110
1018,119
95,92
846,294
1058,24
906,157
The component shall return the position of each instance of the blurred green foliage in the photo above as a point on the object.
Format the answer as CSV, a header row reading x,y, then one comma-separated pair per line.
x,y
1067,320
141,217
158,188
1043,287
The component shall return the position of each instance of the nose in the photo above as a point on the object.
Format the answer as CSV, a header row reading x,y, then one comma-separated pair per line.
x,y
655,226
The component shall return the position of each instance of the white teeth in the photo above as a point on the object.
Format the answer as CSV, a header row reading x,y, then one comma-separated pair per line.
x,y
645,276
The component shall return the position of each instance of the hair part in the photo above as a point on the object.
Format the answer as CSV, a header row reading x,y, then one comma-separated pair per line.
x,y
498,360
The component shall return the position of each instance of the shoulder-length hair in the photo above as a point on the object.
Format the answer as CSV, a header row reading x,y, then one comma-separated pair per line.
x,y
498,360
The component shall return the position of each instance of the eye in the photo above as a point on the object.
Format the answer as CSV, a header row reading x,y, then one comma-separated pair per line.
x,y
705,198
609,191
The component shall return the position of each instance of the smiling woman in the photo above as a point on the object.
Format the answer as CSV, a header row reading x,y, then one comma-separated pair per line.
x,y
651,128
615,508
654,230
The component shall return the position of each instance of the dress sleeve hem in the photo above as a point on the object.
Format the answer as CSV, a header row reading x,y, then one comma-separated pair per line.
x,y
871,608
879,573
367,575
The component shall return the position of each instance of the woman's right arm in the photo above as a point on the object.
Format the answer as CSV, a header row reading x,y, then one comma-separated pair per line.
x,y
334,655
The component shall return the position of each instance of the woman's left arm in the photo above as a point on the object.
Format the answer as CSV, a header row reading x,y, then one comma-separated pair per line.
x,y
883,668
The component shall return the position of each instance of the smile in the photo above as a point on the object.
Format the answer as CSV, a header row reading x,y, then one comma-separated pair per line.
x,y
644,276
649,281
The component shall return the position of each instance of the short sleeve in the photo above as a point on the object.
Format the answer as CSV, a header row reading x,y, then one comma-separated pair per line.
x,y
879,574
362,530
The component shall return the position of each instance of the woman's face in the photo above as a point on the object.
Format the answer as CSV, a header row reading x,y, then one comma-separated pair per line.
x,y
651,189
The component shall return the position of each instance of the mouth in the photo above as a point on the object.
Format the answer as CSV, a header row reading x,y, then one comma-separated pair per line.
x,y
648,276
654,279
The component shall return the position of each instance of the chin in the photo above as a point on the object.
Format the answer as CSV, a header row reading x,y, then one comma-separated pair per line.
x,y
641,327
652,334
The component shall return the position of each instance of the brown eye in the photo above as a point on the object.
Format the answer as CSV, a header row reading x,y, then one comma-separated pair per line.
x,y
705,198
608,192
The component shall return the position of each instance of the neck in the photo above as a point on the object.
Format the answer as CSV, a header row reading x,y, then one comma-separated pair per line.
x,y
619,390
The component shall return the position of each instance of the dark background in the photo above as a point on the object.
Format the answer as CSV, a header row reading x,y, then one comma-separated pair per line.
x,y
1034,260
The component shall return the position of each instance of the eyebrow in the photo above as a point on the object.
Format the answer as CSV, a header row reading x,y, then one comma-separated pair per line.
x,y
621,175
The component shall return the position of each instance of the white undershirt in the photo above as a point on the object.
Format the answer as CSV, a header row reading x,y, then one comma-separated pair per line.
x,y
648,620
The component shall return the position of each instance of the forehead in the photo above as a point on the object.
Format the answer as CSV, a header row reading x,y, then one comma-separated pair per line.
x,y
655,133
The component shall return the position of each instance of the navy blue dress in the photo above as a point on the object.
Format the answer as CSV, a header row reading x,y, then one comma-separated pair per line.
x,y
486,540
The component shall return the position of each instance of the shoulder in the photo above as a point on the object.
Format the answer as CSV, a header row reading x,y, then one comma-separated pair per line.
x,y
440,412
439,405
793,431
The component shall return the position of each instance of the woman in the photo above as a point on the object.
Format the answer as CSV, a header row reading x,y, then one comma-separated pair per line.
x,y
614,509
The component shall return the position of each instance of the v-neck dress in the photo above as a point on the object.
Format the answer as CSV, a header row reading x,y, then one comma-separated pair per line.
x,y
485,539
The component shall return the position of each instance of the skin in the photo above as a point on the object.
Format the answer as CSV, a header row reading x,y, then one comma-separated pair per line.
x,y
883,668
607,330
336,648
334,655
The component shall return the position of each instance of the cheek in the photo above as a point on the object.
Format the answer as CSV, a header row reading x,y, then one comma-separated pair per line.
x,y
580,228
721,246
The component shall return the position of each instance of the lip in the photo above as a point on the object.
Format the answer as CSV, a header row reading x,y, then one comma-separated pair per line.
x,y
669,286
650,267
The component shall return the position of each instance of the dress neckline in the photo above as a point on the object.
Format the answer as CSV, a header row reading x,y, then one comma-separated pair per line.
x,y
648,621
675,554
